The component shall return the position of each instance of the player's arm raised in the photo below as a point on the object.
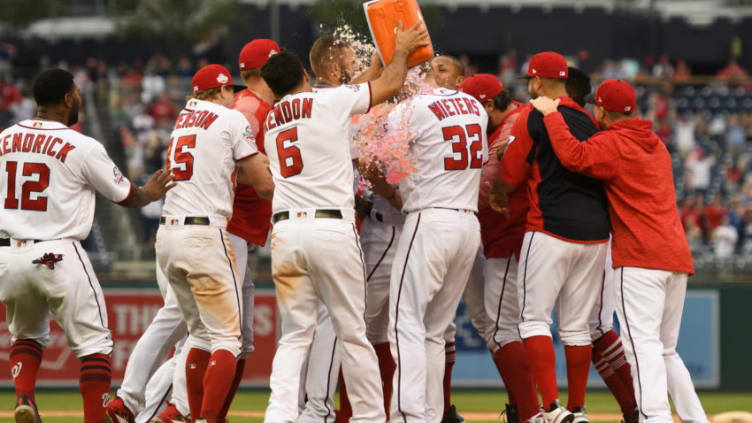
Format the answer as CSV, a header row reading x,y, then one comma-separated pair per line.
x,y
389,83
254,171
154,189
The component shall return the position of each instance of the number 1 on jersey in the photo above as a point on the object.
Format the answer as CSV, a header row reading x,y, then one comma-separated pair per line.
x,y
459,137
290,160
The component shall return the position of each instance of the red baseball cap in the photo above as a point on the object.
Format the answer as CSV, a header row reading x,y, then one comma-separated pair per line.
x,y
256,53
616,95
482,86
548,64
212,76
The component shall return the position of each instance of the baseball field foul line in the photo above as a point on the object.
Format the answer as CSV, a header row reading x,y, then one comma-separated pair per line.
x,y
595,417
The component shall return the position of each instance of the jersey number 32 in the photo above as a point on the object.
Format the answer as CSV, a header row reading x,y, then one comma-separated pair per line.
x,y
462,156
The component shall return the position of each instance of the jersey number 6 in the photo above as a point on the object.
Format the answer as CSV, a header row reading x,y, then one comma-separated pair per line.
x,y
459,137
290,161
29,187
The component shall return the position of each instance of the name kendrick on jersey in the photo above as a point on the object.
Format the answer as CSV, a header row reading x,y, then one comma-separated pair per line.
x,y
287,111
36,143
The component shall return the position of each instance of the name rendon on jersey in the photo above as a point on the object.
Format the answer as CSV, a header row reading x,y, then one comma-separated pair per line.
x,y
288,111
35,143
453,106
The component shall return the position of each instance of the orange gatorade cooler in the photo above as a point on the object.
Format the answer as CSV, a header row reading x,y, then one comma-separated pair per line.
x,y
383,17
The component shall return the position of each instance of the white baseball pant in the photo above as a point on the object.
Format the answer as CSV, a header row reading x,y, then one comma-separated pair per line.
x,y
166,329
501,300
321,373
474,298
429,275
70,291
559,273
649,305
316,259
200,264
164,386
602,317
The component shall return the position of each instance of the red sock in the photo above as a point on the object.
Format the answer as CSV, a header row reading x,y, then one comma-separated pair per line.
x,y
386,368
233,389
25,357
621,393
195,369
94,381
451,358
220,374
609,347
540,353
514,368
345,409
578,366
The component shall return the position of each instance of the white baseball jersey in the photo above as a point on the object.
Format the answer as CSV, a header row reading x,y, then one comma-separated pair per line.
x,y
207,141
309,149
449,145
48,176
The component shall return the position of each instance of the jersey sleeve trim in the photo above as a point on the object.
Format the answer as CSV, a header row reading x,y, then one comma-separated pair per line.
x,y
247,156
130,189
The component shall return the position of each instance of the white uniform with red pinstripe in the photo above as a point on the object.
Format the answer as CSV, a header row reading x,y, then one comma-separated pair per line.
x,y
433,261
197,256
316,253
49,176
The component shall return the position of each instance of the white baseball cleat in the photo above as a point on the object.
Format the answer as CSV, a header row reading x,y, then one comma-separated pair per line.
x,y
559,415
538,418
580,416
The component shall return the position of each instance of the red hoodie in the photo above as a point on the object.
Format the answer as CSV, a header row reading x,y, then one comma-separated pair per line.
x,y
635,168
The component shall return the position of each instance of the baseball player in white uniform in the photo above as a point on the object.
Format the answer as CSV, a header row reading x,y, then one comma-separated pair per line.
x,y
211,145
432,262
316,254
164,388
50,173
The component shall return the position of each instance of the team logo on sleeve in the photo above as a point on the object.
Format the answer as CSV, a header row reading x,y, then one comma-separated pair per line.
x,y
510,139
355,88
117,175
248,134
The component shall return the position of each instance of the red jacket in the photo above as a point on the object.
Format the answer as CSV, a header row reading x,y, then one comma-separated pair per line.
x,y
635,168
251,214
501,236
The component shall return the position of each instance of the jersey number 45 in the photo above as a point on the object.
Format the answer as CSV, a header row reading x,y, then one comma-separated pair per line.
x,y
462,156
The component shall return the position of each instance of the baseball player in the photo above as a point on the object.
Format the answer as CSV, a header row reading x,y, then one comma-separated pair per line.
x,y
432,262
50,173
502,241
333,63
608,353
651,257
315,250
249,224
564,247
210,146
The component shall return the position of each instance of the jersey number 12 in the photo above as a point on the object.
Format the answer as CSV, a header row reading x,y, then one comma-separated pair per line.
x,y
460,137
42,172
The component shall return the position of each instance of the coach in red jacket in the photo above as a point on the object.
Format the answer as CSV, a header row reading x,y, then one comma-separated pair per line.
x,y
651,257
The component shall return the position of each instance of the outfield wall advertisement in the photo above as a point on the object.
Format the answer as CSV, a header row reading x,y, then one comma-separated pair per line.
x,y
130,311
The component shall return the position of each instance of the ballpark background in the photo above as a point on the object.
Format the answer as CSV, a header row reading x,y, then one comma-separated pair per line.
x,y
133,59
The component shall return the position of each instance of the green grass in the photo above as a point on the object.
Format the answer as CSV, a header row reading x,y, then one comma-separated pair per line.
x,y
476,401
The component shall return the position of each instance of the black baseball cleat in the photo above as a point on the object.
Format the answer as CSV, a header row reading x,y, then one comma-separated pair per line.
x,y
26,411
451,416
513,415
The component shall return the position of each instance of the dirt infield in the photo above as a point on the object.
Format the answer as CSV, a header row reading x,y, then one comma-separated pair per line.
x,y
470,416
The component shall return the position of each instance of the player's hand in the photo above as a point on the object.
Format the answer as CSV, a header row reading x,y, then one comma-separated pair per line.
x,y
545,105
158,185
412,39
497,199
375,64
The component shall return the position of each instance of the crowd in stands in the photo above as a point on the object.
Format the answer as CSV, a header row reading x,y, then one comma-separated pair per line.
x,y
707,128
